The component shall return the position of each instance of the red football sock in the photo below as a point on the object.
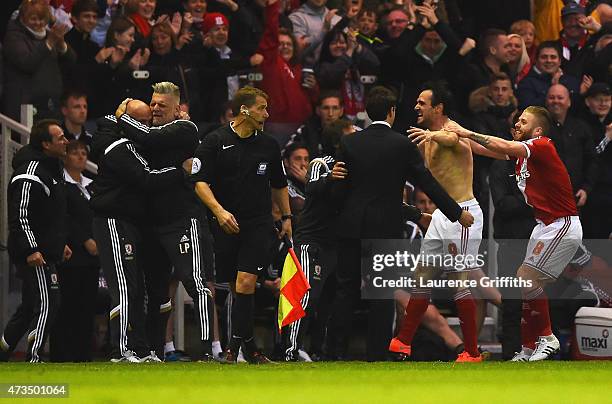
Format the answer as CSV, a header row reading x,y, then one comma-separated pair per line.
x,y
538,302
466,308
528,336
417,305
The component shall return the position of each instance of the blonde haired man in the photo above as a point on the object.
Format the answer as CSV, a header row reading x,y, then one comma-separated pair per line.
x,y
177,230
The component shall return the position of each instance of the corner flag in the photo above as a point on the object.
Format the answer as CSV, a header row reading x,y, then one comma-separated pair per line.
x,y
294,286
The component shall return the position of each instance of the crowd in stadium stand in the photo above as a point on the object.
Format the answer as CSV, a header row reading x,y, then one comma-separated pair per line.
x,y
77,60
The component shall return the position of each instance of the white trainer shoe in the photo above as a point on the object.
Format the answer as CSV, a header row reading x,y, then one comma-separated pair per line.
x,y
303,356
129,356
523,355
545,347
152,358
240,358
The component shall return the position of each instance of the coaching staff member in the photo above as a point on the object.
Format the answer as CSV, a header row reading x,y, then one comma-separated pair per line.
x,y
176,237
120,193
37,235
238,173
379,162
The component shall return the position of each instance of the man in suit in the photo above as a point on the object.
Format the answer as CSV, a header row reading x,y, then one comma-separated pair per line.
x,y
379,162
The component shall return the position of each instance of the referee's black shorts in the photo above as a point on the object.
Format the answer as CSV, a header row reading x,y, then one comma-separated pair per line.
x,y
247,251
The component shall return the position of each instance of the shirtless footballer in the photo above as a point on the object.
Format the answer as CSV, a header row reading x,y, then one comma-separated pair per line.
x,y
449,158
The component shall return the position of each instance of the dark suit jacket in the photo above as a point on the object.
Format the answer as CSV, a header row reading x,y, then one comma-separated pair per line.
x,y
379,162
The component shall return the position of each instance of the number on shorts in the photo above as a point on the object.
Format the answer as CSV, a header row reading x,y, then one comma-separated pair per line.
x,y
452,248
538,248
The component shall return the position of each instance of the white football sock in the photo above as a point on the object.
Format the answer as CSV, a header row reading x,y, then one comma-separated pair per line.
x,y
169,347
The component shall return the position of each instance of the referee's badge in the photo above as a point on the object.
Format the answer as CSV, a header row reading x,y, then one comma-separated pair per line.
x,y
261,169
196,165
54,279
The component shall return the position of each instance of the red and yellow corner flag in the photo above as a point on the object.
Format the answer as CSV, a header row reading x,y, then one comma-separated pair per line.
x,y
294,286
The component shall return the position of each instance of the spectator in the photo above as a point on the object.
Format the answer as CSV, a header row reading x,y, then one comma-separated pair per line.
x,y
196,9
333,133
416,229
1,74
546,19
519,63
596,114
124,60
72,336
140,12
74,110
31,61
248,25
494,106
547,71
58,14
120,36
597,63
219,66
573,142
351,7
574,37
435,57
396,22
190,36
494,49
398,39
597,223
328,110
367,22
90,57
291,94
311,22
168,63
342,60
108,11
84,18
204,128
429,51
526,30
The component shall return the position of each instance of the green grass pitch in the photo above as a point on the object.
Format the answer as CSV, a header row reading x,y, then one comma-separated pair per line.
x,y
352,382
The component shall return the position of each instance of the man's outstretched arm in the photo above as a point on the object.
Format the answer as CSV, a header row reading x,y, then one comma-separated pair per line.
x,y
493,143
442,137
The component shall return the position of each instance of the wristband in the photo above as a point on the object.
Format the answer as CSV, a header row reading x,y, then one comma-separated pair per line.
x,y
285,217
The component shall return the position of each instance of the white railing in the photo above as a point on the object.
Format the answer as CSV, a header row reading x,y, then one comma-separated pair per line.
x,y
8,147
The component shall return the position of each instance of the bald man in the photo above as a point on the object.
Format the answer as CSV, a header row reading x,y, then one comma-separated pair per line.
x,y
119,194
573,141
139,110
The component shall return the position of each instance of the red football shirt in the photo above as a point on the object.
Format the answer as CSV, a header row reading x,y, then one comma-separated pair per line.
x,y
544,181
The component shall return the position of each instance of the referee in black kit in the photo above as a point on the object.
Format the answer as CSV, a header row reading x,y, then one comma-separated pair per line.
x,y
238,173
